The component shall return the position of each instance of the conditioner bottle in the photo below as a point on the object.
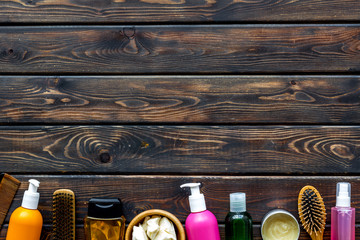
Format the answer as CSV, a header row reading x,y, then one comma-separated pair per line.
x,y
238,222
201,224
343,216
26,221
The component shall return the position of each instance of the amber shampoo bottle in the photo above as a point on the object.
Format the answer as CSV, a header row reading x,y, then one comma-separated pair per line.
x,y
105,220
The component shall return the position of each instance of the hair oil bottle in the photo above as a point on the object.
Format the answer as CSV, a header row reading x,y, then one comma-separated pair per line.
x,y
105,220
238,222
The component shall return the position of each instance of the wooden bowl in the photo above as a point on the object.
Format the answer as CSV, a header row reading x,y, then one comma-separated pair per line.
x,y
180,232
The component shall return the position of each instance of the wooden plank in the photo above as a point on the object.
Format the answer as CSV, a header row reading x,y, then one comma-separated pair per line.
x,y
180,99
142,192
80,235
180,149
180,49
55,11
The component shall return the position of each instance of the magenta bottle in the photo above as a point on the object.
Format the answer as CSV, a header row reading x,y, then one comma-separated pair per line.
x,y
343,216
201,224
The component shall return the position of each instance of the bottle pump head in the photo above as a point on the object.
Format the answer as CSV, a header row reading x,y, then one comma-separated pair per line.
x,y
31,196
196,199
343,190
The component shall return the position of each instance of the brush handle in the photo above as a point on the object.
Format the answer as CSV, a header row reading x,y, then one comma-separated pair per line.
x,y
318,237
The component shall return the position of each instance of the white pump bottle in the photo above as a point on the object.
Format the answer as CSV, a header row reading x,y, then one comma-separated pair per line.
x,y
201,224
26,221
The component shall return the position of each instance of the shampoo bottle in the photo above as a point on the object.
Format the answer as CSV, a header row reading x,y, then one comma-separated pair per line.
x,y
238,222
201,224
343,216
26,221
105,220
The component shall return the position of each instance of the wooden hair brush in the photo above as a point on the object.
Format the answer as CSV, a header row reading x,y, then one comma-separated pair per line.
x,y
312,212
63,215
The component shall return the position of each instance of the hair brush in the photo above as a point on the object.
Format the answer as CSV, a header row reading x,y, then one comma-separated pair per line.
x,y
312,212
63,215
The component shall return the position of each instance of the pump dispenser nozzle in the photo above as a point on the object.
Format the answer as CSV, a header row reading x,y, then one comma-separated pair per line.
x,y
31,196
196,199
34,185
343,190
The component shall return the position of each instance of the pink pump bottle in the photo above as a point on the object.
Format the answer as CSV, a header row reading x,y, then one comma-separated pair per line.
x,y
343,216
201,224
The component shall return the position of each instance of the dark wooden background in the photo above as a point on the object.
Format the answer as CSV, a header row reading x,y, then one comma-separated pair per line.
x,y
131,99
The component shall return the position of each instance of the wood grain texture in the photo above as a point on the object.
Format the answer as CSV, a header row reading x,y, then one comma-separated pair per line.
x,y
80,235
180,149
180,49
54,11
180,99
142,192
8,187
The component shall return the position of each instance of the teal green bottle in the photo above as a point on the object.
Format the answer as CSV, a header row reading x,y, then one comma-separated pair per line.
x,y
238,222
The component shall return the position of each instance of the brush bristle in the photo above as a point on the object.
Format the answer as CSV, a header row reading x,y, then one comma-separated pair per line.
x,y
63,215
312,210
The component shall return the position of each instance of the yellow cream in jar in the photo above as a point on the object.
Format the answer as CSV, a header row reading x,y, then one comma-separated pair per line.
x,y
280,226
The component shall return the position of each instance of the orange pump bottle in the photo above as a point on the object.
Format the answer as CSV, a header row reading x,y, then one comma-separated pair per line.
x,y
26,221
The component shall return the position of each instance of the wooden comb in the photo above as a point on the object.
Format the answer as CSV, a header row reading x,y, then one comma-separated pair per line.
x,y
63,215
8,188
312,212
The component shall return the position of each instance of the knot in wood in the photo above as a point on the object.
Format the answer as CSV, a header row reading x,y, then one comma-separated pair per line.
x,y
53,82
129,33
105,157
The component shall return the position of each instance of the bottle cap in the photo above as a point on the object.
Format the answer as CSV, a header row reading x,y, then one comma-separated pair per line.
x,y
238,202
343,190
31,196
196,199
105,208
